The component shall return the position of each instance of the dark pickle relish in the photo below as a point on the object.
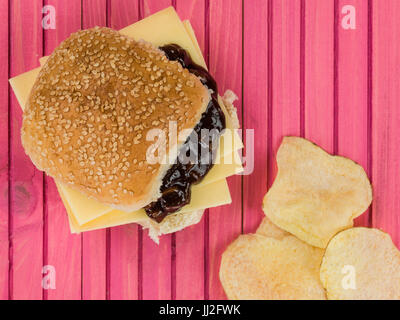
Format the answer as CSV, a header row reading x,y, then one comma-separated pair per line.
x,y
177,182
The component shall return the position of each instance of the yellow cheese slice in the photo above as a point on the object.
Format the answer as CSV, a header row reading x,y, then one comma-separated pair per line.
x,y
164,27
217,194
23,84
84,211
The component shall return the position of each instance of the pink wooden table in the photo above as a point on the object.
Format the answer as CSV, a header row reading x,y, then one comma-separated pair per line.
x,y
296,72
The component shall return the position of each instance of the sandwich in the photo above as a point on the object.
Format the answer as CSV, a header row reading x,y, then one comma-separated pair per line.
x,y
112,118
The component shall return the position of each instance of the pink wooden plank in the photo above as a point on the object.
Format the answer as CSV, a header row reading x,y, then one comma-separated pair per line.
x,y
319,63
285,86
274,100
122,13
64,249
124,258
4,150
194,11
94,265
156,263
353,88
26,183
94,244
94,13
189,270
152,6
256,97
225,49
386,116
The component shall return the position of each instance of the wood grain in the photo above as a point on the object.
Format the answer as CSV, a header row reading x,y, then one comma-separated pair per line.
x,y
274,95
256,47
26,183
386,116
225,50
194,11
4,139
123,263
352,88
150,6
189,248
63,248
319,70
285,119
124,259
122,13
94,244
156,264
94,13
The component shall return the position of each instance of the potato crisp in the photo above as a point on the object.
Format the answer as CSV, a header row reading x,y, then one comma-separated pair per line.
x,y
257,267
361,263
315,195
268,229
305,247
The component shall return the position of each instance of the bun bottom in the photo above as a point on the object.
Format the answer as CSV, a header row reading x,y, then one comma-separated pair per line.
x,y
171,223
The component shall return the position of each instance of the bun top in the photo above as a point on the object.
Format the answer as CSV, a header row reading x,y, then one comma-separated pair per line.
x,y
91,107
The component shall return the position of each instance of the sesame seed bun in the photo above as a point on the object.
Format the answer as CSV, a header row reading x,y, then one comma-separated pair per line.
x,y
91,107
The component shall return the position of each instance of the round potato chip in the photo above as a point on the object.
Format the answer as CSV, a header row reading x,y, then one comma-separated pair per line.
x,y
315,195
261,268
361,263
268,229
